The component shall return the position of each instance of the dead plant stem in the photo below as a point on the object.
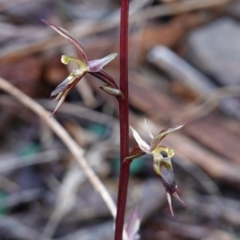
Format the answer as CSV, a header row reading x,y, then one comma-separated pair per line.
x,y
65,137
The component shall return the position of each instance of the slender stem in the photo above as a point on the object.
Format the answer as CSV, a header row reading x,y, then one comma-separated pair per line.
x,y
124,122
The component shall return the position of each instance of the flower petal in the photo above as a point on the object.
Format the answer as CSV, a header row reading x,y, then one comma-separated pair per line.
x,y
158,138
141,143
98,64
71,38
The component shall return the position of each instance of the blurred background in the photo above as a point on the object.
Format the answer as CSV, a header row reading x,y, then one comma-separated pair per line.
x,y
184,59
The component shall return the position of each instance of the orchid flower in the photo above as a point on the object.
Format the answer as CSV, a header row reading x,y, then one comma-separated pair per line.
x,y
94,67
162,164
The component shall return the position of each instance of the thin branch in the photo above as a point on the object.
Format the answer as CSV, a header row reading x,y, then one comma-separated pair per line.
x,y
65,137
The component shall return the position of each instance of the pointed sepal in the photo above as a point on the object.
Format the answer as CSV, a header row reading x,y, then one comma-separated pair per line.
x,y
62,90
169,199
179,199
158,138
98,64
71,38
141,143
60,97
71,80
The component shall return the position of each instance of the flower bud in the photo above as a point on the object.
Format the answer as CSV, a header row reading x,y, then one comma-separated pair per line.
x,y
112,91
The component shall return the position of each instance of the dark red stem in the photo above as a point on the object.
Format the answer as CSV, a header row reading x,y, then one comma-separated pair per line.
x,y
124,122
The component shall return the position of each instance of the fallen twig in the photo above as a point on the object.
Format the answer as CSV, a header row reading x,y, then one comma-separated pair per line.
x,y
65,137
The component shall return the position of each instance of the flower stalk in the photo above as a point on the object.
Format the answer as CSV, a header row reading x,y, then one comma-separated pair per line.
x,y
124,121
95,68
162,155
